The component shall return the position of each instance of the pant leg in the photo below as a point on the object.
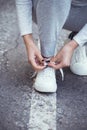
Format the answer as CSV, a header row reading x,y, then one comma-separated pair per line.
x,y
77,18
50,16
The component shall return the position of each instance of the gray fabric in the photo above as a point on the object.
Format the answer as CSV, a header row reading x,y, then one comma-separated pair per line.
x,y
24,12
77,18
77,14
79,2
77,21
50,16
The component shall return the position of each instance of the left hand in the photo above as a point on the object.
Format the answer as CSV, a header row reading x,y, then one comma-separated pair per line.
x,y
63,57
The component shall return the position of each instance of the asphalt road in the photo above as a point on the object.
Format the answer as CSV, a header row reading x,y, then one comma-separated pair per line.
x,y
16,84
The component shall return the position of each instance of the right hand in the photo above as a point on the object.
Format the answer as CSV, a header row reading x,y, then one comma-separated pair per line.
x,y
34,55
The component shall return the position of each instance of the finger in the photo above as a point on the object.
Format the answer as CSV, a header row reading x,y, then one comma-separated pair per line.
x,y
36,66
53,59
40,58
56,58
56,66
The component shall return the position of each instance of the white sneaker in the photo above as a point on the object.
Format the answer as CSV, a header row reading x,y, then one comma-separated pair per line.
x,y
79,68
79,62
46,80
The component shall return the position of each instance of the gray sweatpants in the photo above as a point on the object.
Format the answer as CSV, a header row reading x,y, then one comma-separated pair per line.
x,y
51,16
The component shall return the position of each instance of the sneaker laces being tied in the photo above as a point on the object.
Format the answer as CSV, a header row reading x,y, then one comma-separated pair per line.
x,y
47,60
61,71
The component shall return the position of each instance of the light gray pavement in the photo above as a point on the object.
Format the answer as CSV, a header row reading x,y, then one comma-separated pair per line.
x,y
15,84
65,110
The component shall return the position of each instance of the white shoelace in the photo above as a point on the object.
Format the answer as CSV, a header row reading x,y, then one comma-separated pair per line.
x,y
61,71
47,60
62,74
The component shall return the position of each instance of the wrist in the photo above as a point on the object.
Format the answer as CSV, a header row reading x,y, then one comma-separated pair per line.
x,y
73,44
28,39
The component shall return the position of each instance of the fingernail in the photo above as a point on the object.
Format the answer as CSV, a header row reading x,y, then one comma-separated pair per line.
x,y
45,64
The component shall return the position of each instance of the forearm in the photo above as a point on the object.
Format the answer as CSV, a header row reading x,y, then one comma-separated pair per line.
x,y
73,44
28,40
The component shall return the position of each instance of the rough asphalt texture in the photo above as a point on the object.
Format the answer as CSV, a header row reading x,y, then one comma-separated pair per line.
x,y
16,84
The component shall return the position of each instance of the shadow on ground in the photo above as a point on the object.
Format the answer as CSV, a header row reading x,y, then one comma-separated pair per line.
x,y
71,102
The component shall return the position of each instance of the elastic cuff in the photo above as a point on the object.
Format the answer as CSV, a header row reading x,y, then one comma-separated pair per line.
x,y
79,42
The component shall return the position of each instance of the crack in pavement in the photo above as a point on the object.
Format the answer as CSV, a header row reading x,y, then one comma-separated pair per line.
x,y
5,59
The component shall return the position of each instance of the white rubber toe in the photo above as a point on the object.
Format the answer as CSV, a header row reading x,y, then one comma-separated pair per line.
x,y
46,81
44,89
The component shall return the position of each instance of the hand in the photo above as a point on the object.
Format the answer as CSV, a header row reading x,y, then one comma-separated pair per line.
x,y
34,55
63,58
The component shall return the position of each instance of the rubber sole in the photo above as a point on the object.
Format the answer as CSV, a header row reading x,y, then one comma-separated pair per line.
x,y
43,90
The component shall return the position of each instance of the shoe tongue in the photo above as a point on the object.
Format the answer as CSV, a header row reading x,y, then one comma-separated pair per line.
x,y
48,72
47,59
49,69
